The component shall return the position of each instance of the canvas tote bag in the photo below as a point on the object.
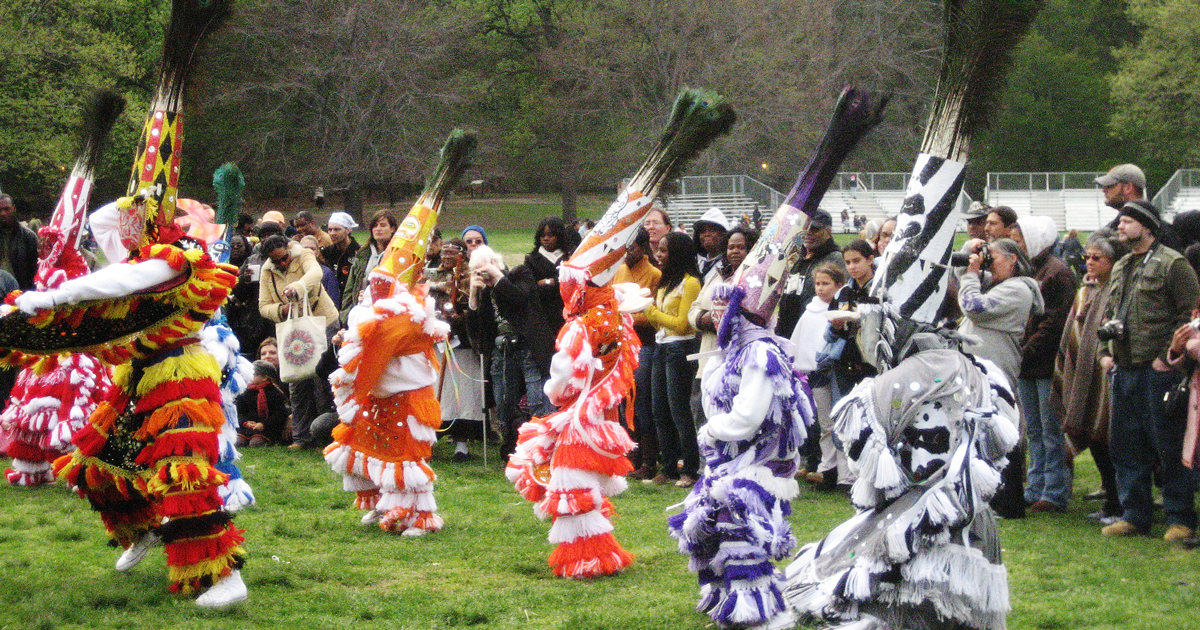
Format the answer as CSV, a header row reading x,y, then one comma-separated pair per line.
x,y
301,342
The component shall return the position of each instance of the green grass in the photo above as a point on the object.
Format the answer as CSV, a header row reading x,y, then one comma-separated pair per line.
x,y
311,565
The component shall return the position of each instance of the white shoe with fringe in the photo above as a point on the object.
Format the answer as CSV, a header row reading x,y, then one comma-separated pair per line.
x,y
134,554
230,590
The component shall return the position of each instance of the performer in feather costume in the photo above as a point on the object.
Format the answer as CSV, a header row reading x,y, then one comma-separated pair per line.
x,y
54,396
385,389
569,463
146,461
929,435
734,522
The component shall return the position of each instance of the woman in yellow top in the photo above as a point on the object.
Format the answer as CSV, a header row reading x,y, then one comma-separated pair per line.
x,y
671,375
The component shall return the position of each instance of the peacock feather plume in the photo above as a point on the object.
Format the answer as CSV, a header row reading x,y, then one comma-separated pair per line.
x,y
978,41
457,155
697,119
229,184
99,117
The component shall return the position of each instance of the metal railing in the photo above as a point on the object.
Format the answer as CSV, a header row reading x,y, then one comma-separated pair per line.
x,y
1183,178
1042,181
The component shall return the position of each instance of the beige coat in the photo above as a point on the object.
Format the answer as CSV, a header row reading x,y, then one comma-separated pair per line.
x,y
304,274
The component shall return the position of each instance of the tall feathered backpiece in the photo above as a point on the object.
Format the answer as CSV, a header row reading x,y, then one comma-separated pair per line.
x,y
61,234
697,119
857,112
978,40
405,253
149,205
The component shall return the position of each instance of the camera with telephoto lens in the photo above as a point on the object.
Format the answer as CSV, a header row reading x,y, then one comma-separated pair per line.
x,y
959,259
1110,330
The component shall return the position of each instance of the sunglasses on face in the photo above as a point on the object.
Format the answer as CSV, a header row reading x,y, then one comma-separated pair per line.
x,y
1097,257
474,241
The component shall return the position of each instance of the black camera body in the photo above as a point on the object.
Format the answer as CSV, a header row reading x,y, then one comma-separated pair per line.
x,y
959,259
1110,330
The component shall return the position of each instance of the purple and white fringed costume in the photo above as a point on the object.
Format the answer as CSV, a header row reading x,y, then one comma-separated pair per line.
x,y
928,440
734,521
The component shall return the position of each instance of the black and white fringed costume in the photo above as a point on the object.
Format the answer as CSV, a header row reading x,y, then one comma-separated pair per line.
x,y
928,440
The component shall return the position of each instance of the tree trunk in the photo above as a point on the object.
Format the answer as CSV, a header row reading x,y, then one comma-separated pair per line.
x,y
569,180
352,201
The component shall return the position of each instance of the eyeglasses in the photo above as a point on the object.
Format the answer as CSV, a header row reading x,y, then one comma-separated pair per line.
x,y
1097,257
474,241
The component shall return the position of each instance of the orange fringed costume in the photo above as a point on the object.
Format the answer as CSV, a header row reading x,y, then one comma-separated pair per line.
x,y
389,412
570,462
146,459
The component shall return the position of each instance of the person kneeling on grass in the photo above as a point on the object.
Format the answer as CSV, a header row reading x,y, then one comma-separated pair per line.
x,y
262,408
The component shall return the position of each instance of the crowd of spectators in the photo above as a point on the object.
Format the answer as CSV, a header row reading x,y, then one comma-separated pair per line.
x,y
1092,336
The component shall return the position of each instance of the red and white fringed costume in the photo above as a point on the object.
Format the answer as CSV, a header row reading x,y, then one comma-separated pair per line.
x,y
146,459
389,411
569,462
54,396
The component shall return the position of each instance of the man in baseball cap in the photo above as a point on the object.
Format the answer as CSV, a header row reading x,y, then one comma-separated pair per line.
x,y
1121,184
976,217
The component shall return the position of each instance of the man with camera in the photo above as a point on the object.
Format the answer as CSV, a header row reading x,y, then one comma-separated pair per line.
x,y
1151,294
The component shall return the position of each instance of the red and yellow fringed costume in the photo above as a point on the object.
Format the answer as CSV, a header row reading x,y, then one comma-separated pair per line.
x,y
385,398
569,462
146,459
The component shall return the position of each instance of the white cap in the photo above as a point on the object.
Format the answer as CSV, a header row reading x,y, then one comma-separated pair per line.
x,y
342,219
714,215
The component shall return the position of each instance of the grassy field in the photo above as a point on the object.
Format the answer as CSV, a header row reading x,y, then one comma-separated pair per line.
x,y
312,565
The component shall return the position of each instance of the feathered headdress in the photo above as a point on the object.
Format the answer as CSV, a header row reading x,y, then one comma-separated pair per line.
x,y
979,38
405,253
698,118
59,259
228,184
147,212
760,275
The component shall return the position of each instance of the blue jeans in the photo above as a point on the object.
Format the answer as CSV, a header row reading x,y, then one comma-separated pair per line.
x,y
1049,477
671,385
645,433
514,373
1141,437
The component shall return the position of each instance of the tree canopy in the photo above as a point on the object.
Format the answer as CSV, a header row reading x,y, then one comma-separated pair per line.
x,y
567,95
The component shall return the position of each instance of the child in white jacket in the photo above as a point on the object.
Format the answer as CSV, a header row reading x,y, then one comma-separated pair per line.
x,y
816,351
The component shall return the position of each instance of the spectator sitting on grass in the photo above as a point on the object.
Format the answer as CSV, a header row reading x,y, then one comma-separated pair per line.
x,y
262,408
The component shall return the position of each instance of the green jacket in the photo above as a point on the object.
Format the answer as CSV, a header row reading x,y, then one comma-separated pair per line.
x,y
1160,300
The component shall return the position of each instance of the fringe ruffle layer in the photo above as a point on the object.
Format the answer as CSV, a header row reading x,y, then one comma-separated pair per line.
x,y
150,466
924,545
570,462
50,402
383,445
734,522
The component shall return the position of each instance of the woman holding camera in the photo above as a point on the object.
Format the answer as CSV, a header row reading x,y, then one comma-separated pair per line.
x,y
997,306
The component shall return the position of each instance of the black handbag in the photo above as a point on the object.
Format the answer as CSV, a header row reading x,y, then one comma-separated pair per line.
x,y
1175,402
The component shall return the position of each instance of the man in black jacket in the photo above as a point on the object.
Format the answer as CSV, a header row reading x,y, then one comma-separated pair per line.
x,y
815,247
18,245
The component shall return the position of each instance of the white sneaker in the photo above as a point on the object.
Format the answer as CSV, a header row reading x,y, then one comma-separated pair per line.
x,y
414,531
134,554
372,517
230,590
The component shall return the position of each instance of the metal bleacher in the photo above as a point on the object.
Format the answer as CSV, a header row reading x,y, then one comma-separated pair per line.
x,y
870,195
1071,199
1181,193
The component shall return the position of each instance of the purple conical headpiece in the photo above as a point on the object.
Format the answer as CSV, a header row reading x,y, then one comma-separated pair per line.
x,y
761,274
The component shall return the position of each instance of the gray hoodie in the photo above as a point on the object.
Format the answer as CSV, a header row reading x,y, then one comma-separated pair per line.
x,y
998,317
